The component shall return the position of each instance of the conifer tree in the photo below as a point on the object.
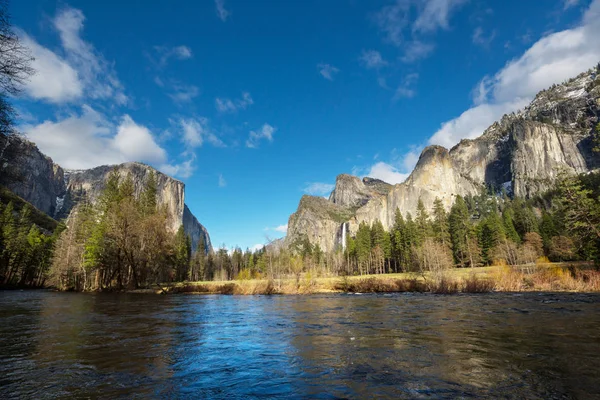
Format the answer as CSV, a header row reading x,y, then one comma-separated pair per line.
x,y
459,223
441,231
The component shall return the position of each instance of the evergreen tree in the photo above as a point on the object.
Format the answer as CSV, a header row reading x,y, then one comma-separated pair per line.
x,y
441,230
363,244
148,197
459,223
491,233
422,223
509,226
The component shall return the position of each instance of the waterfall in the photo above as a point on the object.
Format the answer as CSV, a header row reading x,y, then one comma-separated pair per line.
x,y
344,236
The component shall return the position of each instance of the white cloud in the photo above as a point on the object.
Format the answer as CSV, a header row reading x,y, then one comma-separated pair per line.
x,y
166,53
318,188
372,59
183,170
257,247
89,139
194,132
405,89
280,228
327,71
98,75
136,143
222,181
387,173
471,123
435,14
222,13
569,3
479,38
552,59
55,80
227,105
183,93
417,50
396,170
266,132
397,21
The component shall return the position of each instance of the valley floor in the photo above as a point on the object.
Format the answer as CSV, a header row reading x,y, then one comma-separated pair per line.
x,y
553,277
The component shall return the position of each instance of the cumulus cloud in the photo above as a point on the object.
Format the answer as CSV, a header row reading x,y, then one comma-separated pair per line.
x,y
266,132
318,188
396,170
55,80
552,59
89,139
222,13
230,106
80,71
372,59
327,71
387,173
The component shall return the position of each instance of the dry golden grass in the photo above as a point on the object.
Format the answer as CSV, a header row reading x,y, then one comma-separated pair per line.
x,y
502,278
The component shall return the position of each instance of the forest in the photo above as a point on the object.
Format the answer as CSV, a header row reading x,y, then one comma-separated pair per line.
x,y
121,242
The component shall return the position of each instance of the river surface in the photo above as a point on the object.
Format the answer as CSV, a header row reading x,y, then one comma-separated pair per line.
x,y
57,345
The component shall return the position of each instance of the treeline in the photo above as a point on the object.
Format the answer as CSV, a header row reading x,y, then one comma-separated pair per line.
x,y
121,242
488,228
25,249
562,225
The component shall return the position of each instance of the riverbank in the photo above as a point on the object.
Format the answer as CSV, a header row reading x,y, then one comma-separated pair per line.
x,y
552,277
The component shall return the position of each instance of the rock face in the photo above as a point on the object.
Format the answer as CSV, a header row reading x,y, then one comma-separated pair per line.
x,y
34,177
28,173
524,152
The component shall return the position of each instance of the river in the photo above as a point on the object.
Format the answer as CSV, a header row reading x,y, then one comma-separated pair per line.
x,y
533,345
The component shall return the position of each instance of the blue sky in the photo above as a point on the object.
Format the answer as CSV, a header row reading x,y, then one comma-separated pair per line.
x,y
254,103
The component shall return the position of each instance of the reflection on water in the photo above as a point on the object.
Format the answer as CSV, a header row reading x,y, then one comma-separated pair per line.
x,y
332,346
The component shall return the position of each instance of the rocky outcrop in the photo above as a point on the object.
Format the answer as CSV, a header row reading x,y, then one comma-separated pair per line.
x,y
28,173
34,177
524,153
195,230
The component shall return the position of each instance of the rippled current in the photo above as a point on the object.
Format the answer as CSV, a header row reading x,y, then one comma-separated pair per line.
x,y
56,345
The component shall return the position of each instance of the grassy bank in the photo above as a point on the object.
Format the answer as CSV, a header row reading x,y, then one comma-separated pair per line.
x,y
569,277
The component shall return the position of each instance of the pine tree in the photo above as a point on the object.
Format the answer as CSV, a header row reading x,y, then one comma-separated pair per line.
x,y
509,226
422,223
459,223
148,197
441,230
491,234
363,244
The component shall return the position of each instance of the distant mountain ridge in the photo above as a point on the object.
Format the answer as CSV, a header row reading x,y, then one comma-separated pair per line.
x,y
523,153
33,176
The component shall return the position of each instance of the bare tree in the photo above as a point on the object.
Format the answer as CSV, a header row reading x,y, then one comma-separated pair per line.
x,y
15,67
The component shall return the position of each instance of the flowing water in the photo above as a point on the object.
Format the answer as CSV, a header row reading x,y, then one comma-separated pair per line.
x,y
56,345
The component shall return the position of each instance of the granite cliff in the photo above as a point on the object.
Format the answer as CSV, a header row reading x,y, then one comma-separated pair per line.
x,y
30,174
523,153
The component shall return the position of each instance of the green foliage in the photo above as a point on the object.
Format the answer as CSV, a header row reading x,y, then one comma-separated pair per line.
x,y
459,222
596,139
509,225
25,250
440,226
491,234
